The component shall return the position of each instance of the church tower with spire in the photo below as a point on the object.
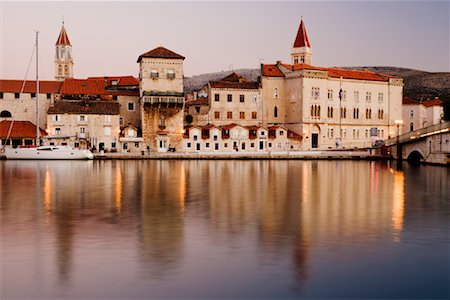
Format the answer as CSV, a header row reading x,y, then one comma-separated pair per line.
x,y
63,56
301,51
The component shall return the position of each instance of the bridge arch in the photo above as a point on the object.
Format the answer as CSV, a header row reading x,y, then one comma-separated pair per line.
x,y
415,157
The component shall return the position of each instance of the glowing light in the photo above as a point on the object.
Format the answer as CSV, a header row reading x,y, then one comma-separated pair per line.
x,y
47,196
398,204
118,191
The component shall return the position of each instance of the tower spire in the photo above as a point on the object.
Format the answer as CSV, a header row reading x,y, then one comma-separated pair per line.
x,y
301,50
63,55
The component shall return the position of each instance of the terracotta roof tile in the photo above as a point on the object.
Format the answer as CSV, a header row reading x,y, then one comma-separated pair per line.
x,y
91,107
15,86
199,101
432,102
121,80
63,38
20,129
234,81
92,86
160,52
301,40
407,100
271,71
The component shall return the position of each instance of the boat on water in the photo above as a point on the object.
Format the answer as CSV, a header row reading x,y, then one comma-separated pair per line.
x,y
48,153
43,152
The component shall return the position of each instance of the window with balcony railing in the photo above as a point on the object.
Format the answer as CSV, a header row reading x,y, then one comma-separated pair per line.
x,y
154,74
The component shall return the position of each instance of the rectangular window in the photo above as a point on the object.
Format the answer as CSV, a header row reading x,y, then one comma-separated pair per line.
x,y
57,131
241,98
107,118
114,97
33,95
17,95
82,118
216,146
82,129
242,115
154,73
217,115
207,145
254,115
189,145
330,94
356,96
107,131
170,74
216,97
56,118
1,95
130,106
368,96
411,113
197,109
380,97
195,137
229,115
215,137
229,97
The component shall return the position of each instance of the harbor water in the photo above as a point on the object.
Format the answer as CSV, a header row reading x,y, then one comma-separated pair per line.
x,y
223,229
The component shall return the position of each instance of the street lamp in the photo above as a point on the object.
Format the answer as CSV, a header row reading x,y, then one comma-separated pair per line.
x,y
399,151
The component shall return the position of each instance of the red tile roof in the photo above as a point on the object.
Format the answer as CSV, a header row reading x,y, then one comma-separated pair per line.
x,y
15,86
90,107
234,81
271,71
121,80
229,126
20,129
160,52
407,100
209,126
432,102
293,135
63,38
83,87
199,101
301,40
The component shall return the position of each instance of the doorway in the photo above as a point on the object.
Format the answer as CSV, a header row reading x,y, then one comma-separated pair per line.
x,y
314,140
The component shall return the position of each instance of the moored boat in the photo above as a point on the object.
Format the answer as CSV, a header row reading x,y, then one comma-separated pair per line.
x,y
48,152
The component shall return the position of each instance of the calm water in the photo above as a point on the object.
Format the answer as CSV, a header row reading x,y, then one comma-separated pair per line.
x,y
223,229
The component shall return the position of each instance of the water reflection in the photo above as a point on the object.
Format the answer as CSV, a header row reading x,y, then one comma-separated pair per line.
x,y
229,223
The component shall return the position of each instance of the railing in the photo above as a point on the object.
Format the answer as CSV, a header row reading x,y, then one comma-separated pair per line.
x,y
163,100
417,134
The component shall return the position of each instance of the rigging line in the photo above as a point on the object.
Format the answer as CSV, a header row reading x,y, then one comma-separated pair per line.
x,y
21,91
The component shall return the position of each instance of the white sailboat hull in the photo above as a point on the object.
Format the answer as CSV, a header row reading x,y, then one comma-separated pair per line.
x,y
50,152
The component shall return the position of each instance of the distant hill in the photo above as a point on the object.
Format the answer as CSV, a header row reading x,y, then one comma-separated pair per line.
x,y
418,84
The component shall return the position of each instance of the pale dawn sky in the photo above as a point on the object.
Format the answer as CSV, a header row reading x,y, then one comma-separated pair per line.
x,y
108,36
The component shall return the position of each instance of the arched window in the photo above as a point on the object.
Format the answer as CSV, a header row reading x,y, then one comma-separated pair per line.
x,y
66,70
312,110
275,112
60,70
411,126
318,111
5,114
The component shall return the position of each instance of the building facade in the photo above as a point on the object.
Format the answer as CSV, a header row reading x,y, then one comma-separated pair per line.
x,y
329,107
420,114
162,98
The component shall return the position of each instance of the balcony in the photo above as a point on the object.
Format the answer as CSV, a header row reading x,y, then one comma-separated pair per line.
x,y
163,99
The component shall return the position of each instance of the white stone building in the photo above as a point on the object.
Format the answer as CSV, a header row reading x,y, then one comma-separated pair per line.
x,y
329,107
162,98
63,56
420,114
84,124
230,100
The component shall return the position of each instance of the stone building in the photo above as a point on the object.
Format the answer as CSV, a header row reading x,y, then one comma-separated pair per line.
x,y
329,107
420,114
63,56
230,100
162,98
18,100
84,124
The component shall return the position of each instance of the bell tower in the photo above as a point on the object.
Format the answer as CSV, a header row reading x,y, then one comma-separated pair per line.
x,y
63,56
301,51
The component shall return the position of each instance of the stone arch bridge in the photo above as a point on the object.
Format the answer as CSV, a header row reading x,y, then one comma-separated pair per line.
x,y
427,145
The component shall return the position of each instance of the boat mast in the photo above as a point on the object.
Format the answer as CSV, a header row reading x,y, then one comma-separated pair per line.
x,y
37,91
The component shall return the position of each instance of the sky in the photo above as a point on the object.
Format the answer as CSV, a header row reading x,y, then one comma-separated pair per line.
x,y
108,36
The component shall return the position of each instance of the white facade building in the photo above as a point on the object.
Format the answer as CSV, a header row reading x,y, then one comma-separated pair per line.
x,y
329,107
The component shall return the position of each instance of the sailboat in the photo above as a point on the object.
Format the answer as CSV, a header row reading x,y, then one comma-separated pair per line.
x,y
44,152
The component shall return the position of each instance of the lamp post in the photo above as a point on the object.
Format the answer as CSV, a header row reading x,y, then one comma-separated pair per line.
x,y
399,148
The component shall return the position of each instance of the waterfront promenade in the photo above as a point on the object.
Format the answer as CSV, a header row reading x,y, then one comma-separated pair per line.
x,y
275,155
